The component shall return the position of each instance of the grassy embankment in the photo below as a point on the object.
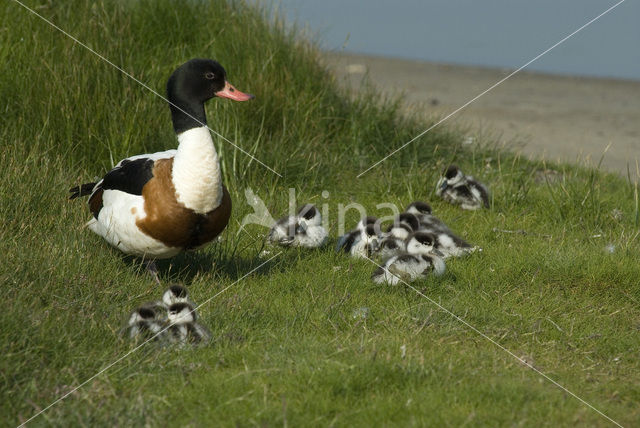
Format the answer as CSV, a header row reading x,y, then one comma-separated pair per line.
x,y
288,349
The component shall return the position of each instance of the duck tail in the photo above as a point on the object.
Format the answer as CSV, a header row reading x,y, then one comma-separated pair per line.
x,y
82,190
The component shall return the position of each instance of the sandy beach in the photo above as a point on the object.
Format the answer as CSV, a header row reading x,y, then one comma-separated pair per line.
x,y
553,117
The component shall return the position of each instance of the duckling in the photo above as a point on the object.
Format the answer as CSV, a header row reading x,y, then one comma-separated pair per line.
x,y
309,215
456,188
423,212
408,268
367,244
444,244
423,242
361,243
365,221
183,325
302,230
403,226
159,308
314,235
144,323
390,246
420,259
176,293
283,232
346,241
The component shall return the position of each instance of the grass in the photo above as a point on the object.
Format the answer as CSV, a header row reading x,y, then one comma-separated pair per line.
x,y
291,345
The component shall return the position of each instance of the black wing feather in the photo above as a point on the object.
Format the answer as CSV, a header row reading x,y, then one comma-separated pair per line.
x,y
130,176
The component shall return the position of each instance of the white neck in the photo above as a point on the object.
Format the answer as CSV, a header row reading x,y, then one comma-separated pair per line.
x,y
196,171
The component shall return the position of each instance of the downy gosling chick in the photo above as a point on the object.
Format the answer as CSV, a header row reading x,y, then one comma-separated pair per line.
x,y
463,190
304,229
145,322
183,325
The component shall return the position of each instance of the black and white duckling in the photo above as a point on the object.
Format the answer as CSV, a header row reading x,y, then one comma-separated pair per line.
x,y
183,326
304,229
146,322
463,190
362,242
390,246
403,225
423,242
365,221
176,293
444,244
407,268
424,214
346,241
421,259
157,205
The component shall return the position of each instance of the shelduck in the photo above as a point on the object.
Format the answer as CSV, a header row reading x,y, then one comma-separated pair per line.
x,y
407,268
390,246
362,241
420,259
445,244
176,293
463,190
145,323
403,225
183,325
304,229
365,221
157,205
424,214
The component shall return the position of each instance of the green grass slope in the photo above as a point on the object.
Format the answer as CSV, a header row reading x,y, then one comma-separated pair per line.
x,y
557,282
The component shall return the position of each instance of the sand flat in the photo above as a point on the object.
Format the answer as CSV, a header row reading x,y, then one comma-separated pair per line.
x,y
545,116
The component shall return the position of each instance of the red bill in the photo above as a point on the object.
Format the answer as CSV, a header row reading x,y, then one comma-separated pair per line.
x,y
232,93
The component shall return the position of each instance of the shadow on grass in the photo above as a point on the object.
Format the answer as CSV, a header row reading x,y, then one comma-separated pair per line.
x,y
188,266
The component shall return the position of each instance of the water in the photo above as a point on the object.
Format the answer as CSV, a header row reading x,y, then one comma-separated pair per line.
x,y
492,33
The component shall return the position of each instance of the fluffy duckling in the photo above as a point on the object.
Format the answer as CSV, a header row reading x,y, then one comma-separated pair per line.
x,y
390,246
403,226
176,293
408,268
284,231
423,242
446,244
420,259
302,230
145,322
361,242
464,190
365,221
183,327
427,220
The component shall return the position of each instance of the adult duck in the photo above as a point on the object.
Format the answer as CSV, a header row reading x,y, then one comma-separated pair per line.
x,y
157,205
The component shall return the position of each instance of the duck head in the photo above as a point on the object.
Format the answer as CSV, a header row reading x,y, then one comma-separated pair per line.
x,y
418,208
181,313
422,243
191,85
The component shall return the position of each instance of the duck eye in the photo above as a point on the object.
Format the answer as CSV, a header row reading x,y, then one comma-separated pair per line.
x,y
209,75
